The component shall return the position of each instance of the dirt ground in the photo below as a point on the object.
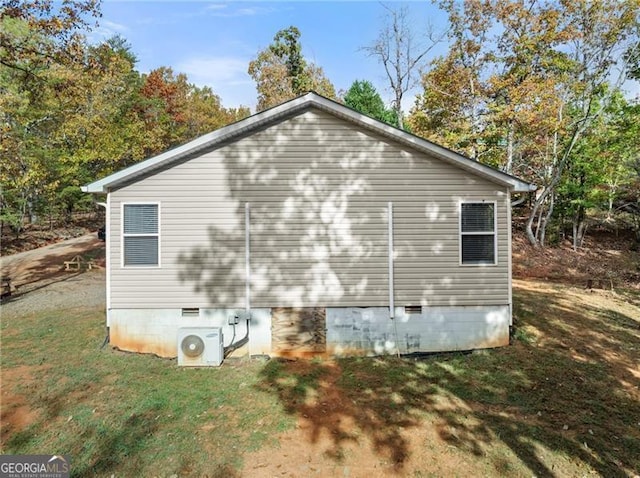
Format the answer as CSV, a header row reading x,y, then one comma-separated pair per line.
x,y
43,270
606,258
327,442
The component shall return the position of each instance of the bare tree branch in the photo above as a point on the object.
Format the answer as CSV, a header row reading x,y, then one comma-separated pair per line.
x,y
400,54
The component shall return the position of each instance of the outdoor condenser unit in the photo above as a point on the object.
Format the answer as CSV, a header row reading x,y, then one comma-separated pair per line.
x,y
200,347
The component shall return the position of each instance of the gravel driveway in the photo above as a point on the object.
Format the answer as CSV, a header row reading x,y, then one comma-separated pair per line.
x,y
41,283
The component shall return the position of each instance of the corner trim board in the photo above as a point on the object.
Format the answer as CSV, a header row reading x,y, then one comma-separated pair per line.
x,y
391,292
247,265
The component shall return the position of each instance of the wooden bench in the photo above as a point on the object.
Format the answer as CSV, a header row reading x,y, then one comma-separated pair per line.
x,y
6,287
73,264
606,284
78,263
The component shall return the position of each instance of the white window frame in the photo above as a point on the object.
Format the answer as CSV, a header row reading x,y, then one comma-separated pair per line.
x,y
123,235
495,233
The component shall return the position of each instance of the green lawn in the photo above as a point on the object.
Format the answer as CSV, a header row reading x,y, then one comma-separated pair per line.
x,y
135,415
564,400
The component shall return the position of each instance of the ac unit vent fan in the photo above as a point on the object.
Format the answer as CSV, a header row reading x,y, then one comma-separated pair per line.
x,y
192,346
200,347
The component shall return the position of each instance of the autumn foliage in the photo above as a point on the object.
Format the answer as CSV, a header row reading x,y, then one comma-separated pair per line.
x,y
534,88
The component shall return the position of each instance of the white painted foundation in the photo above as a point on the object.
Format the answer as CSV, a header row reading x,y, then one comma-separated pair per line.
x,y
370,331
156,330
350,330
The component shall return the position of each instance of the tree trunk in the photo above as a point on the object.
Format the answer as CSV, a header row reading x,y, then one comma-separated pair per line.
x,y
50,217
21,216
610,207
398,106
578,228
547,218
538,223
533,240
509,166
33,217
582,232
579,231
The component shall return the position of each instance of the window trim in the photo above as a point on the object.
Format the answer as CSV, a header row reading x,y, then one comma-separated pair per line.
x,y
495,233
123,235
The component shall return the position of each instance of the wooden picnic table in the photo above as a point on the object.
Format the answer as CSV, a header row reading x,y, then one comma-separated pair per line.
x,y
77,263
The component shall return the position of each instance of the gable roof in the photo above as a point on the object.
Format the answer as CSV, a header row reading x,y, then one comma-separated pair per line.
x,y
292,108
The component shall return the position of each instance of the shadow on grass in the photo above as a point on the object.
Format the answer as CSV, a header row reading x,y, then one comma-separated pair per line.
x,y
42,283
110,446
117,445
572,393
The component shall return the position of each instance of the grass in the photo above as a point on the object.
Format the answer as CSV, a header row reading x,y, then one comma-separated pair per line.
x,y
563,400
133,415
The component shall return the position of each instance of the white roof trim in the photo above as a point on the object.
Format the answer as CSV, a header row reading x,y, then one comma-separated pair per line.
x,y
289,108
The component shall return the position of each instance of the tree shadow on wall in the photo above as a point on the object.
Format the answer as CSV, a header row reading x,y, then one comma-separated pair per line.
x,y
216,270
318,224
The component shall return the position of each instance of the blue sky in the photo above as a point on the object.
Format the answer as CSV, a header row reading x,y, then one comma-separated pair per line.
x,y
213,42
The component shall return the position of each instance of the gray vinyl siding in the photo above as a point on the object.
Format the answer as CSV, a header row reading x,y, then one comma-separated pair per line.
x,y
318,187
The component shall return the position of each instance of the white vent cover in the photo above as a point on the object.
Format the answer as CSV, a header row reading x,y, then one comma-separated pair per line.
x,y
200,347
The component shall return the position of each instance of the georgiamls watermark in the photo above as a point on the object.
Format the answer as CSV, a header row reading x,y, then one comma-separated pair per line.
x,y
34,466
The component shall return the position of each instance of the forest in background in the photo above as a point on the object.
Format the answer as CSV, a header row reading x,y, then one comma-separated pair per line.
x,y
532,88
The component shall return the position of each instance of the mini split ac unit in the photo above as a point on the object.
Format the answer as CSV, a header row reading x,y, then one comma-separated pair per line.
x,y
200,347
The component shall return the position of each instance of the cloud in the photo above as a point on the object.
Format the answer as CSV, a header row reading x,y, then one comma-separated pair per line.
x,y
216,6
227,77
224,10
214,70
107,29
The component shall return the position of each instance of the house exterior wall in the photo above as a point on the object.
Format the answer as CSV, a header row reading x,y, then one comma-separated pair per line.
x,y
318,189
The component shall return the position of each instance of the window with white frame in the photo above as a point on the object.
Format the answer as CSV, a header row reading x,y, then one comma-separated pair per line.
x,y
478,233
140,235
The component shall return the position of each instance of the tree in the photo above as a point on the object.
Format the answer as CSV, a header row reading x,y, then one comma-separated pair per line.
x,y
487,96
601,167
37,38
396,48
28,115
69,123
449,109
57,32
100,130
163,108
175,111
281,72
286,45
596,38
622,175
523,83
204,112
362,96
629,200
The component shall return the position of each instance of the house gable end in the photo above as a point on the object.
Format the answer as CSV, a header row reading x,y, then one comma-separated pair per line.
x,y
268,118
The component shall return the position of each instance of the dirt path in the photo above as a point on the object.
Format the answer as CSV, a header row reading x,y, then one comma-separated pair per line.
x,y
43,270
38,267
